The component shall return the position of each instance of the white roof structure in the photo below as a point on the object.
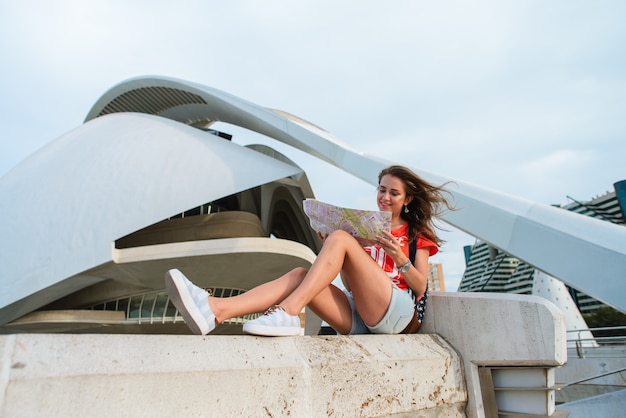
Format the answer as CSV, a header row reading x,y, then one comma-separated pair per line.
x,y
67,205
143,155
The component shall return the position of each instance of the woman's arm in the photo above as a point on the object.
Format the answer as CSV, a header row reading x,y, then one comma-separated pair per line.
x,y
417,276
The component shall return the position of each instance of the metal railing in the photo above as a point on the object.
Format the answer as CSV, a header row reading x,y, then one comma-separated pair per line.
x,y
587,379
598,363
154,307
597,345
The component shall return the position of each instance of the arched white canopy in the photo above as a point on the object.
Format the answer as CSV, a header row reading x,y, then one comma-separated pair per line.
x,y
583,252
65,205
154,167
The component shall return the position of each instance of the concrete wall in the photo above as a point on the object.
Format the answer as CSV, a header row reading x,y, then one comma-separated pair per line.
x,y
494,330
63,375
434,373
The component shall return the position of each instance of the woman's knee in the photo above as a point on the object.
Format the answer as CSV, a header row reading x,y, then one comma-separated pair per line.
x,y
292,278
339,236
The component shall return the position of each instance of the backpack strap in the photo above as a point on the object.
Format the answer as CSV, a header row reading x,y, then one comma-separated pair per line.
x,y
412,249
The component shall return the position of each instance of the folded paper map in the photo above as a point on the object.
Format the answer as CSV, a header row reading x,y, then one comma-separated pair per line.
x,y
363,225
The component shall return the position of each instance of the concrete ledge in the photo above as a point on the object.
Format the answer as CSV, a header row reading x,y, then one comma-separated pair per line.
x,y
61,375
496,329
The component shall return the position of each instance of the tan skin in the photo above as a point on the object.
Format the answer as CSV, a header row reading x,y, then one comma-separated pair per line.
x,y
341,253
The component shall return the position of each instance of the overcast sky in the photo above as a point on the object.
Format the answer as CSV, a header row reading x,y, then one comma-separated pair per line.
x,y
524,97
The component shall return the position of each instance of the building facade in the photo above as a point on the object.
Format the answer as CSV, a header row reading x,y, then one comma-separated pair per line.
x,y
489,269
436,282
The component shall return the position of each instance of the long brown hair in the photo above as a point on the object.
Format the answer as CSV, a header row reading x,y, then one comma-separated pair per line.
x,y
427,204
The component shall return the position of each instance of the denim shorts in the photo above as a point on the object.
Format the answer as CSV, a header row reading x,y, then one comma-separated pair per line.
x,y
397,317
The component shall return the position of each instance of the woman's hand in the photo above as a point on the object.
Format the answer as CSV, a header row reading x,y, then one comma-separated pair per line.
x,y
322,237
392,248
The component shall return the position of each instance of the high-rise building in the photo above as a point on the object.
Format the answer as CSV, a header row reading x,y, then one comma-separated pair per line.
x,y
436,282
609,207
489,269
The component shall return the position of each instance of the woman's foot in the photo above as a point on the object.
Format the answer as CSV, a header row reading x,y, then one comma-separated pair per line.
x,y
191,301
275,322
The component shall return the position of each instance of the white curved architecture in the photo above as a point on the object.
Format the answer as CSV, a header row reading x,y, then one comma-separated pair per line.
x,y
565,245
66,205
143,156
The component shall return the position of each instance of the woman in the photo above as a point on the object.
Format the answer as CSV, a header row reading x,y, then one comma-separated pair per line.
x,y
385,290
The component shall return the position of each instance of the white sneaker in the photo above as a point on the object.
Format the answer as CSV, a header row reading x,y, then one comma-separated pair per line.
x,y
191,301
275,322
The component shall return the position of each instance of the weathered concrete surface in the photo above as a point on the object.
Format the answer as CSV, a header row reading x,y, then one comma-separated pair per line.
x,y
61,375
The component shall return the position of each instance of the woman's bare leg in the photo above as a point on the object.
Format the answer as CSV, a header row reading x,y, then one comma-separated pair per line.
x,y
370,285
332,305
257,299
298,288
